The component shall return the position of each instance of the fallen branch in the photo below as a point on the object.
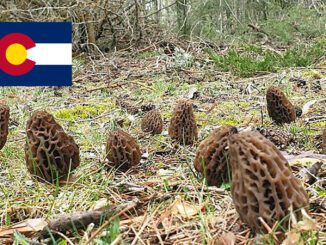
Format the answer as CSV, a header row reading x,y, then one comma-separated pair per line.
x,y
81,220
307,154
106,223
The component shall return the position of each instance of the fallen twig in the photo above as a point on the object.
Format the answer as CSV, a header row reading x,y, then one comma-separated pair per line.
x,y
81,220
106,223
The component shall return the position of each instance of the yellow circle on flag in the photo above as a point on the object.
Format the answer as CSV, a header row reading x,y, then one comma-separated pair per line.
x,y
16,54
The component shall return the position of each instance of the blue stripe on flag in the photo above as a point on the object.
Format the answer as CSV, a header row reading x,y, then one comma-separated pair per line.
x,y
40,32
41,75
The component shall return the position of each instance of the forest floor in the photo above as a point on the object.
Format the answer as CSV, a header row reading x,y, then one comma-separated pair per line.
x,y
169,203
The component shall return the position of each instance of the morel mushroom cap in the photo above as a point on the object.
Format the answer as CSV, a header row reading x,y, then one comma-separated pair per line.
x,y
262,181
50,153
323,146
183,126
152,122
279,107
122,150
212,158
4,122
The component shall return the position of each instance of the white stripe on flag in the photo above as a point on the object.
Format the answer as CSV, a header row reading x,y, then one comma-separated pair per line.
x,y
51,54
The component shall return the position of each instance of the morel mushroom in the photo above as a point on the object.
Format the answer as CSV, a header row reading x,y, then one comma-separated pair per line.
x,y
262,181
50,153
212,158
122,150
279,107
323,146
152,122
4,122
183,126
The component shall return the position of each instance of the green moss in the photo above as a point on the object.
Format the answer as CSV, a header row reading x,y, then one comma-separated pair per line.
x,y
313,74
148,173
156,141
166,114
227,105
319,124
244,104
160,164
159,137
207,120
86,144
308,131
232,105
228,121
321,192
80,112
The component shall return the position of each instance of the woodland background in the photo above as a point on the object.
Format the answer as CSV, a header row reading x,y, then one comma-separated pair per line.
x,y
115,25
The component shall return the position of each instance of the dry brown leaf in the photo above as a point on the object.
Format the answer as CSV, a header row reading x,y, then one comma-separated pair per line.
x,y
184,209
306,107
306,161
29,225
250,120
306,154
136,220
216,220
226,239
306,224
191,93
292,238
101,203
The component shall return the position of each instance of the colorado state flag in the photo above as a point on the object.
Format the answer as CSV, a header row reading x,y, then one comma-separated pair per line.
x,y
36,54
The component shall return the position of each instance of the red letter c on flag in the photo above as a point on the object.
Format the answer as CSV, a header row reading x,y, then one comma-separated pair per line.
x,y
13,54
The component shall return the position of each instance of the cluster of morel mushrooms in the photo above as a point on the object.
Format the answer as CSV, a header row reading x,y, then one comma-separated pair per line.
x,y
263,185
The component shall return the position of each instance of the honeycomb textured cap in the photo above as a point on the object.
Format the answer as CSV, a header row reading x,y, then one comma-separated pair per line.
x,y
152,122
324,142
4,122
50,153
122,150
212,158
279,107
262,181
183,126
